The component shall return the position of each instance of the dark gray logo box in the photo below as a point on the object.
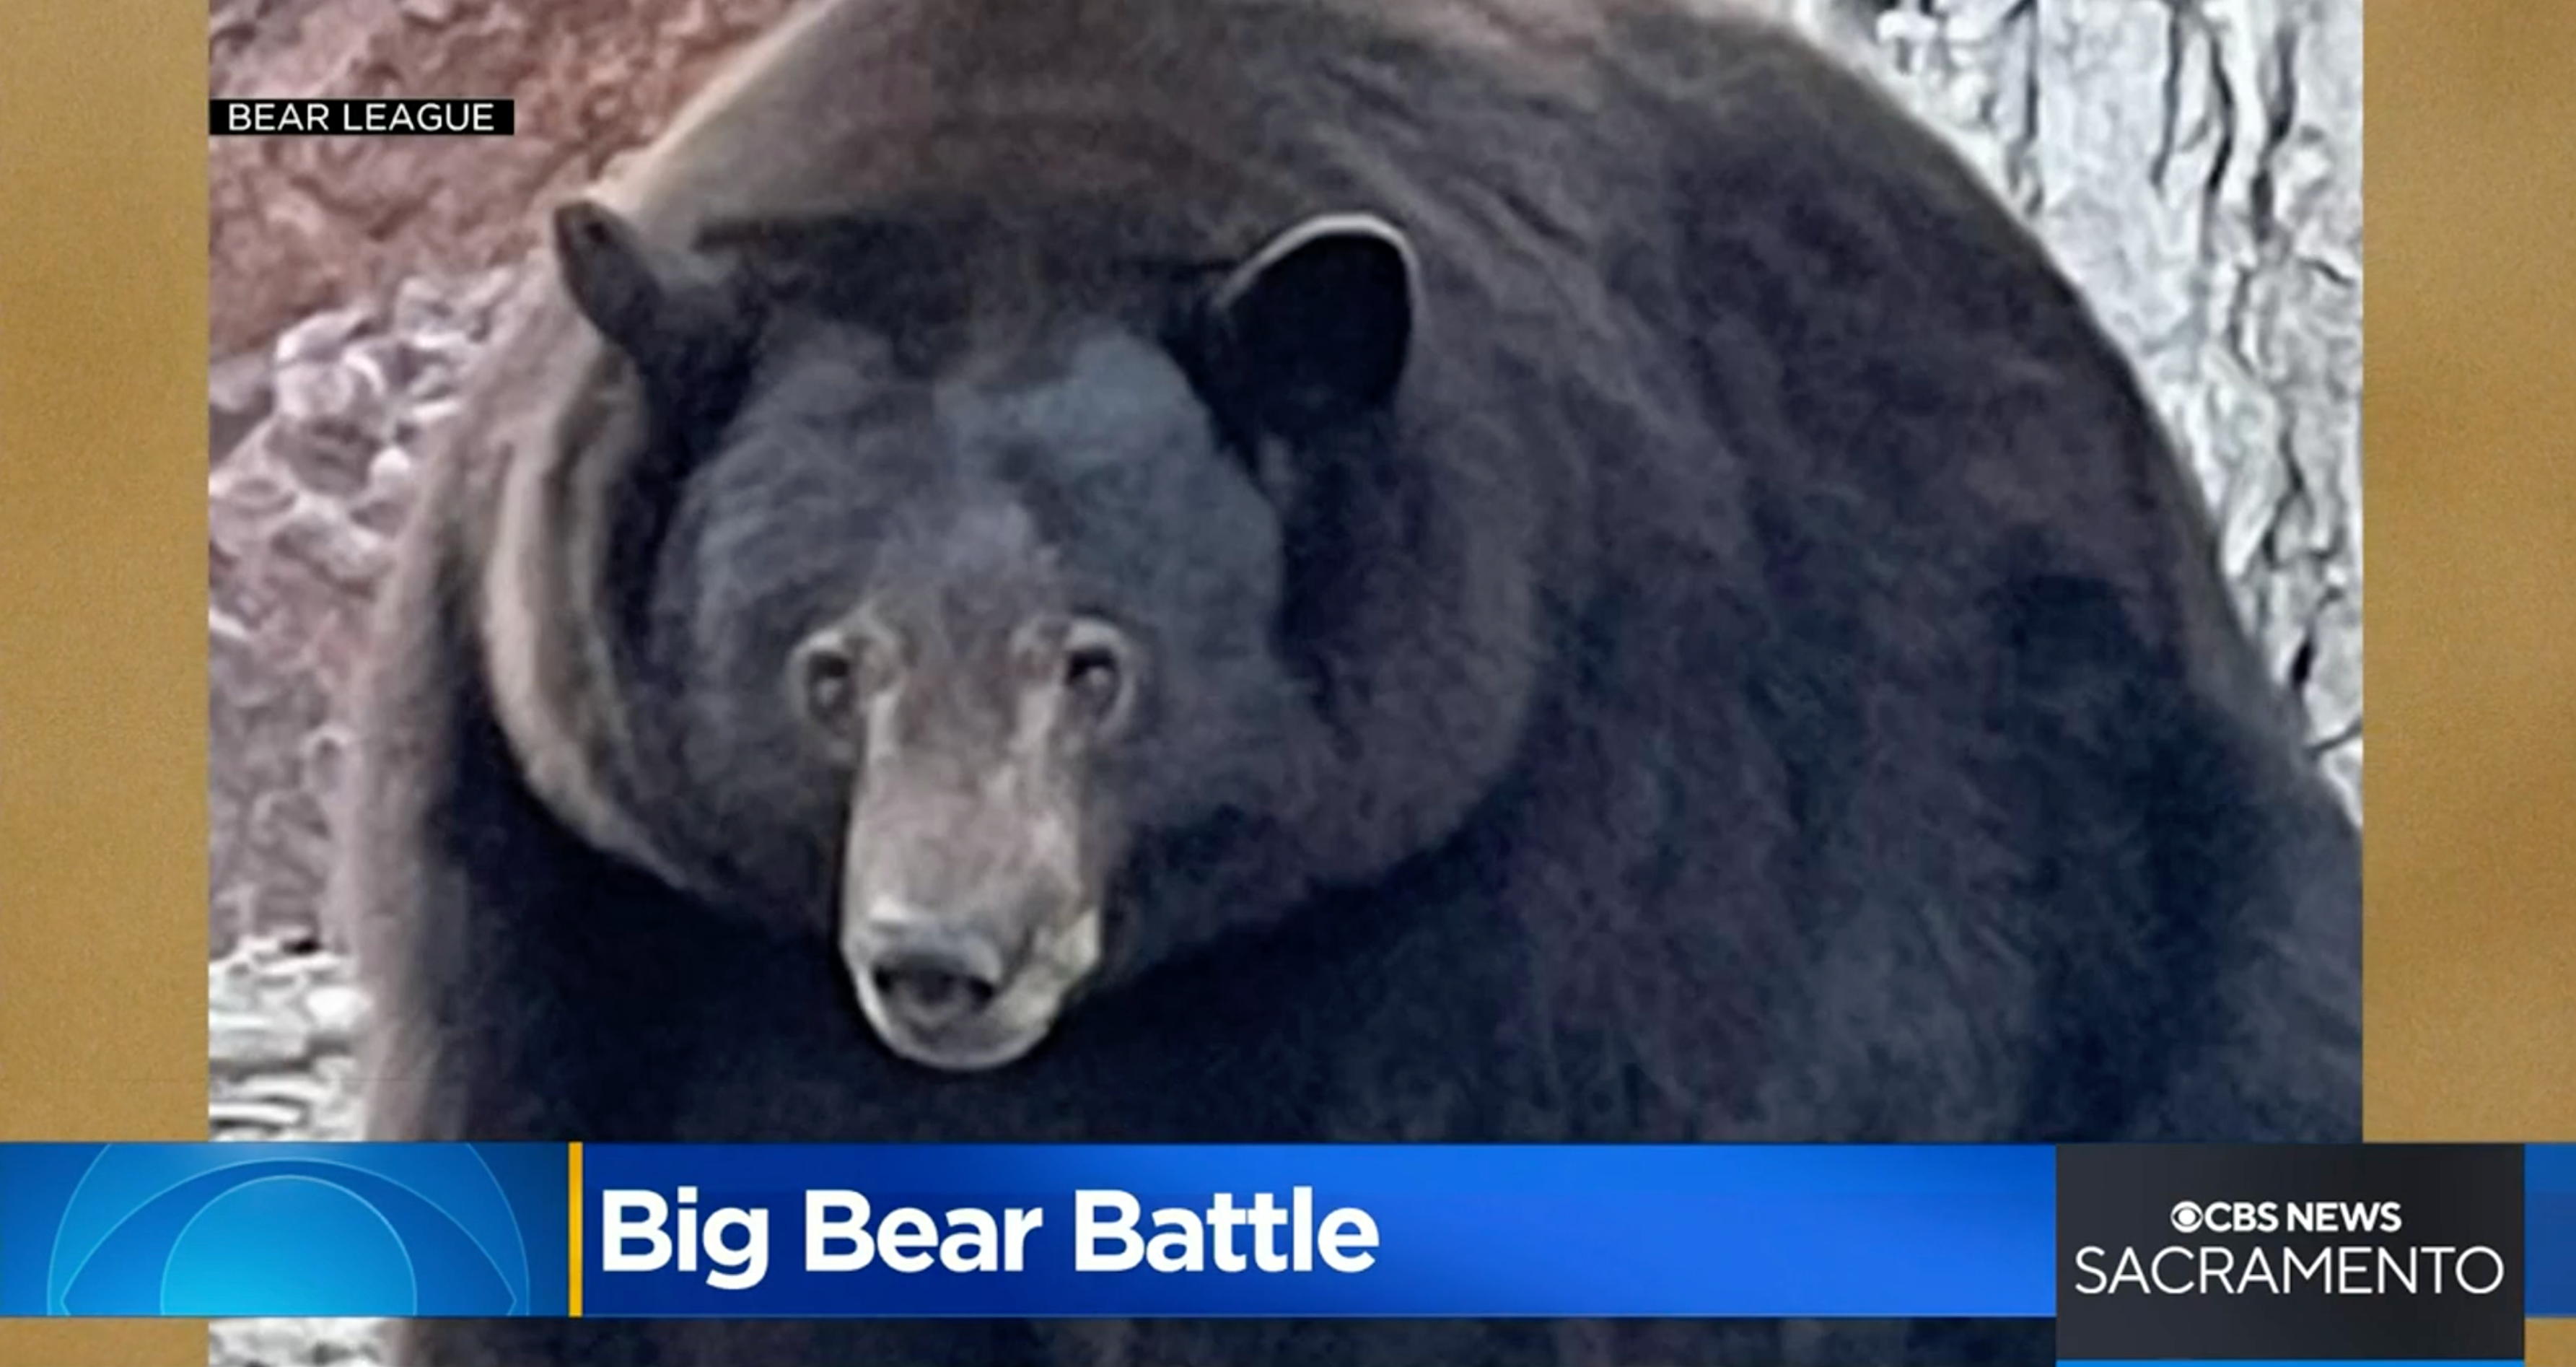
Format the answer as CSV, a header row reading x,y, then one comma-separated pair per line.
x,y
2322,1299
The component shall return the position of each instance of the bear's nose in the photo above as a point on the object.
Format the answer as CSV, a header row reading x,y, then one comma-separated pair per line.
x,y
930,974
931,989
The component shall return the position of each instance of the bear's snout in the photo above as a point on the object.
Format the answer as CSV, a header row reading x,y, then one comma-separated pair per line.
x,y
966,993
963,935
931,973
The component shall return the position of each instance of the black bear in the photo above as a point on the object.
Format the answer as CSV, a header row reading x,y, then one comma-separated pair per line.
x,y
1322,570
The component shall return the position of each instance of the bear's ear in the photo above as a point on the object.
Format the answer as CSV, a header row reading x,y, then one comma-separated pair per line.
x,y
672,314
1315,326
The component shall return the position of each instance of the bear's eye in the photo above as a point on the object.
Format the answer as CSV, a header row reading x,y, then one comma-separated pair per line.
x,y
831,686
1092,675
1099,675
829,679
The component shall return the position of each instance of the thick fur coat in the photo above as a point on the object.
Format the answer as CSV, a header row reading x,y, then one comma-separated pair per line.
x,y
1725,653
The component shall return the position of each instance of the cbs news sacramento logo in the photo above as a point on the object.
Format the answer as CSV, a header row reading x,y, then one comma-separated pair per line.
x,y
2361,1266
2383,1253
284,1229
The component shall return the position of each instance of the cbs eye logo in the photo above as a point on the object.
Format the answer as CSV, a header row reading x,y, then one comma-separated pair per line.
x,y
260,1229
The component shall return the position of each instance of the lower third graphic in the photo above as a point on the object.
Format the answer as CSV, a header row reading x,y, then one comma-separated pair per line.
x,y
224,1230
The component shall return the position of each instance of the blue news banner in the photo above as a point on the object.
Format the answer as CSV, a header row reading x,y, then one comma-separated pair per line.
x,y
245,1229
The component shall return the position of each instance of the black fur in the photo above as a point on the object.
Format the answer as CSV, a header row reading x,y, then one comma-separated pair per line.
x,y
1745,666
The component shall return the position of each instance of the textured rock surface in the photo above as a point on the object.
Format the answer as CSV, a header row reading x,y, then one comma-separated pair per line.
x,y
283,1018
2196,164
302,224
300,513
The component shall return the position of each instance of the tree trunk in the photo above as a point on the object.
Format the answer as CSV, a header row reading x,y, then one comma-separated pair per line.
x,y
2197,166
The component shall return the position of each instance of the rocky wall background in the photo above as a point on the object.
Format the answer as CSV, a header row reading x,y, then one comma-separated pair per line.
x,y
2196,163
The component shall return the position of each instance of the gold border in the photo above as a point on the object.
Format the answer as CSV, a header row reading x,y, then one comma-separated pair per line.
x,y
2469,507
102,602
2470,510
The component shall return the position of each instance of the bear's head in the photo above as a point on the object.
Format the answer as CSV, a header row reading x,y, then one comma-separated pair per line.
x,y
980,652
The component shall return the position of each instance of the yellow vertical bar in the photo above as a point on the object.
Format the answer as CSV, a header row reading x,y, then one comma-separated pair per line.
x,y
572,1297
